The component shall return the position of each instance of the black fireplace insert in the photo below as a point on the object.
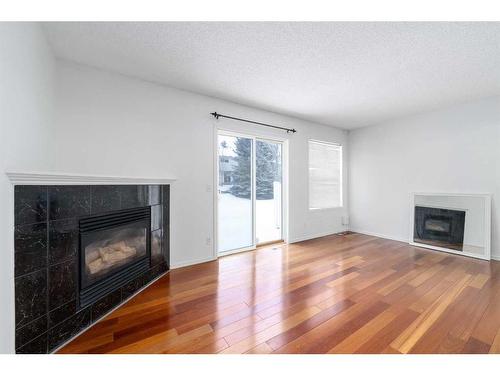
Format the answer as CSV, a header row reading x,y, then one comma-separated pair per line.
x,y
114,249
439,227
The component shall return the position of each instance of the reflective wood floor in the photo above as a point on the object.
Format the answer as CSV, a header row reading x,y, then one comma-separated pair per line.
x,y
336,294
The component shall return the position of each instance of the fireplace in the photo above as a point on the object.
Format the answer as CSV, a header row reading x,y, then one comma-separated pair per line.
x,y
439,227
80,251
114,249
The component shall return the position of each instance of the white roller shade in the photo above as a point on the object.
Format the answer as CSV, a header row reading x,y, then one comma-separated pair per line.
x,y
325,175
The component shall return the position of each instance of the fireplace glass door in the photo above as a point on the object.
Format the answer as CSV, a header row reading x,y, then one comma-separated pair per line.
x,y
114,249
109,250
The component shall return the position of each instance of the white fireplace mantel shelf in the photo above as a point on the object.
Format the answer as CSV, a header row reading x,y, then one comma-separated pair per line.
x,y
50,178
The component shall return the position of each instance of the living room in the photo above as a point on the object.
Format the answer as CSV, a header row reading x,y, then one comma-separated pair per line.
x,y
250,187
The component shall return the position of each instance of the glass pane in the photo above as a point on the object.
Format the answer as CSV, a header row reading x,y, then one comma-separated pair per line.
x,y
268,191
235,223
108,250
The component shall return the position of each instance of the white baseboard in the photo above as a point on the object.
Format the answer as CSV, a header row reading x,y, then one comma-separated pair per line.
x,y
312,236
400,239
191,262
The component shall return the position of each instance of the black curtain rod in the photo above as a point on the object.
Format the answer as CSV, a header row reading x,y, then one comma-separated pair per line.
x,y
217,115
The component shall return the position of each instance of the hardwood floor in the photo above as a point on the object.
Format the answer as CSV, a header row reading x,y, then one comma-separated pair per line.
x,y
336,294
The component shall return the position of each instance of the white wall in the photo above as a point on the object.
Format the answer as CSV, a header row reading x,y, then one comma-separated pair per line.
x,y
26,76
114,125
456,149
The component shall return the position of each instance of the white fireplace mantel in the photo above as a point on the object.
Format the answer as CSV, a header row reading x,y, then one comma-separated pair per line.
x,y
54,178
477,220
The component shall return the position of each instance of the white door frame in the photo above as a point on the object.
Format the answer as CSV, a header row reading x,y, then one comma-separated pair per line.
x,y
284,187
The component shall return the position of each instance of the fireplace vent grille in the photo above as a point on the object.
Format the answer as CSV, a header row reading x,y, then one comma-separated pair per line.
x,y
113,219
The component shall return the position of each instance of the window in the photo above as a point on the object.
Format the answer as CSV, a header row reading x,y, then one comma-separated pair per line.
x,y
325,175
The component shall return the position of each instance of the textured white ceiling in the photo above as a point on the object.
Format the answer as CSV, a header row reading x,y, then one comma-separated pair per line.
x,y
346,75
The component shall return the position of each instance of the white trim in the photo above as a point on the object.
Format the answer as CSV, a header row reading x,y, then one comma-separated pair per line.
x,y
313,236
191,262
385,236
452,194
325,142
487,221
53,178
285,178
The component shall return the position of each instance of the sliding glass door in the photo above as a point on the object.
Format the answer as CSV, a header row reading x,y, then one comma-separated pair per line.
x,y
249,192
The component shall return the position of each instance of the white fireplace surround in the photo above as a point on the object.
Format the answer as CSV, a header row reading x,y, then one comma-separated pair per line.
x,y
54,178
481,251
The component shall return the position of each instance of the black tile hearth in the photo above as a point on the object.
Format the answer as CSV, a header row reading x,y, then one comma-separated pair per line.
x,y
47,241
31,330
104,198
30,242
31,297
105,304
154,272
68,328
68,201
62,283
131,287
36,346
61,313
63,240
30,204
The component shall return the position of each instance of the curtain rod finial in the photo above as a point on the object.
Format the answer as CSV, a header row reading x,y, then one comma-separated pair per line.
x,y
216,115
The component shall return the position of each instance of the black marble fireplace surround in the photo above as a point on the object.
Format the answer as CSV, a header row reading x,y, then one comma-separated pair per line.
x,y
46,256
